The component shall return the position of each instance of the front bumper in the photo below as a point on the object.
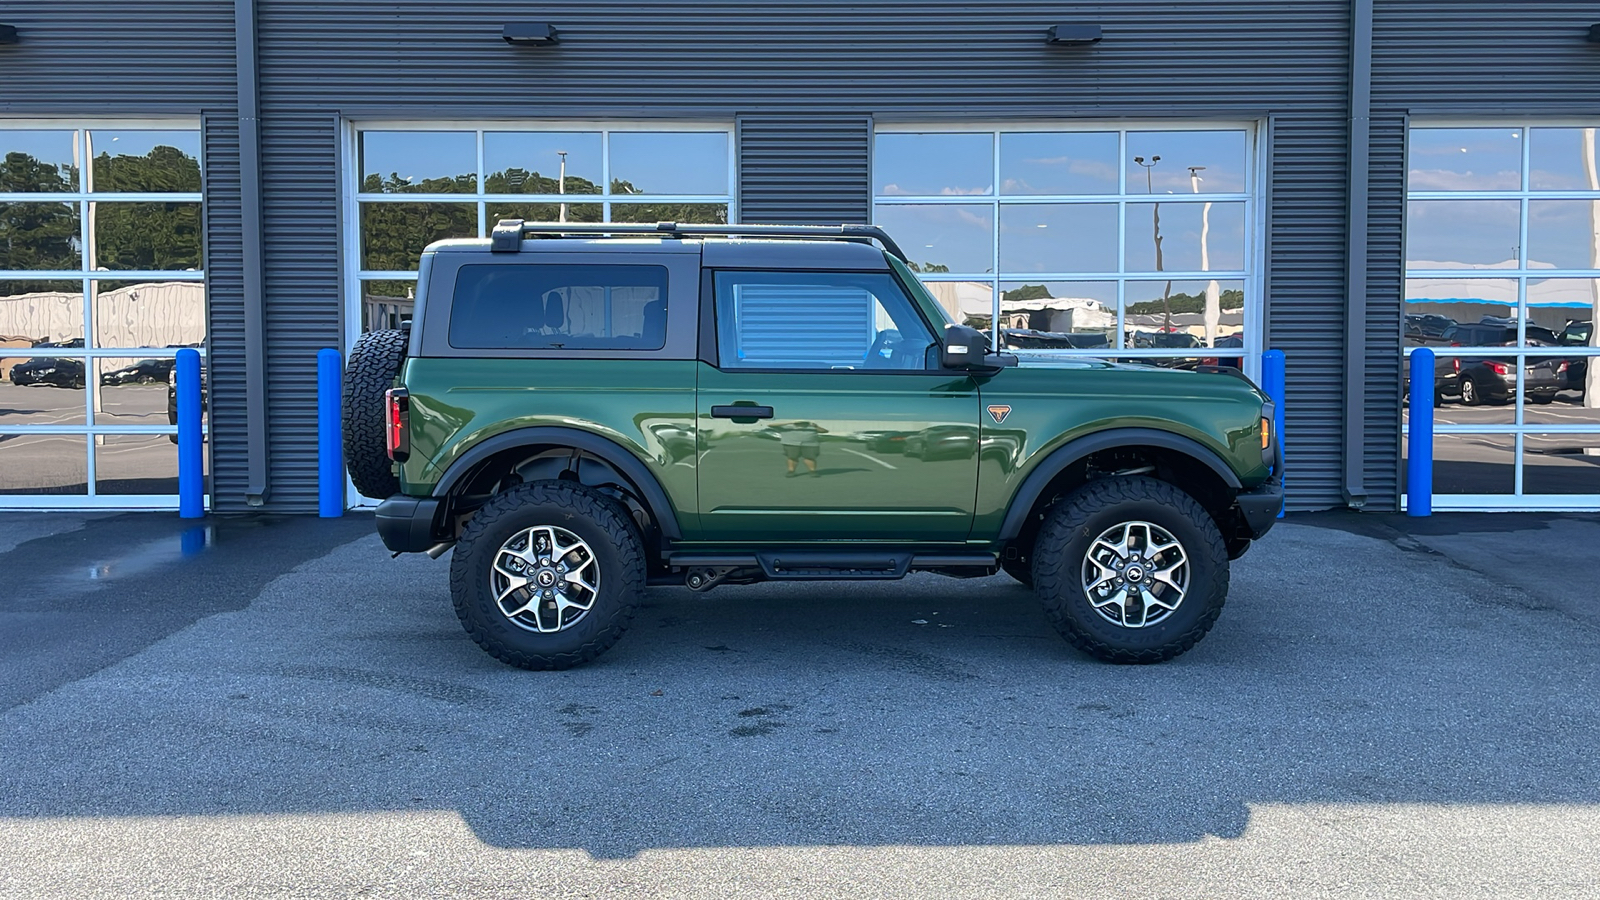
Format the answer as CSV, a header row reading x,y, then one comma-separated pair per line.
x,y
1259,506
406,524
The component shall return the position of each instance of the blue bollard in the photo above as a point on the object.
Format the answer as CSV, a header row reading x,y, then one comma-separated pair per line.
x,y
330,452
1419,461
1274,381
191,452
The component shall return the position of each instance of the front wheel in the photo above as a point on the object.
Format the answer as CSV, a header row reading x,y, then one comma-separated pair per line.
x,y
1469,393
1131,570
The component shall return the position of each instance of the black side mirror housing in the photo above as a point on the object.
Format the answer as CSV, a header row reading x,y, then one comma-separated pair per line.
x,y
964,348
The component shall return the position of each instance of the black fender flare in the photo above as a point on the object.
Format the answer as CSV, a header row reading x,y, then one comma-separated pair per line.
x,y
1074,450
613,453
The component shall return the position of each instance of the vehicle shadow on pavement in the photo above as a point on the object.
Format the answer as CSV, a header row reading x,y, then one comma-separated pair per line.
x,y
927,712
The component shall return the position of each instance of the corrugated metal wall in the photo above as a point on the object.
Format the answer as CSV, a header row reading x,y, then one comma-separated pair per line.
x,y
224,286
828,153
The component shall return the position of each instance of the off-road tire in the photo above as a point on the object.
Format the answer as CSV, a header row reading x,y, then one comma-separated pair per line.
x,y
601,522
374,362
1070,527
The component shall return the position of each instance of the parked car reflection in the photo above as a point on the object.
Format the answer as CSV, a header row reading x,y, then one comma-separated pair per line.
x,y
145,371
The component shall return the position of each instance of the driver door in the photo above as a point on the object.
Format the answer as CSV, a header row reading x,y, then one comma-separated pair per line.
x,y
825,415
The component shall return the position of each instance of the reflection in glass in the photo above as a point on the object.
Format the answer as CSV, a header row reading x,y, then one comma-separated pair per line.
x,y
39,236
44,464
945,165
1561,463
693,213
385,304
393,235
1069,237
1183,314
36,160
1462,234
1058,163
146,161
1058,315
669,163
1562,159
965,302
552,212
942,237
1218,159
1563,234
1565,306
132,390
1197,237
150,236
39,312
419,162
532,162
50,374
1464,159
1436,307
149,313
46,394
135,464
1475,389
1473,463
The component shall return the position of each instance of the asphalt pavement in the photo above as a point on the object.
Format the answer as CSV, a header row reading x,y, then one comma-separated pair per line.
x,y
275,708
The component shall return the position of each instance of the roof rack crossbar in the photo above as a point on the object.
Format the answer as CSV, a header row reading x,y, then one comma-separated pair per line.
x,y
507,235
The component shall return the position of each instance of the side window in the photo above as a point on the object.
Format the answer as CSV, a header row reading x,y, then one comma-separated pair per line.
x,y
559,307
818,321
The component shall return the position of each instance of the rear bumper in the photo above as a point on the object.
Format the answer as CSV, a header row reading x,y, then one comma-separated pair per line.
x,y
406,523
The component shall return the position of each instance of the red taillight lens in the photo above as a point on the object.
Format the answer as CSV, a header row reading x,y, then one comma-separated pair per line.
x,y
1564,366
397,440
1457,364
1499,368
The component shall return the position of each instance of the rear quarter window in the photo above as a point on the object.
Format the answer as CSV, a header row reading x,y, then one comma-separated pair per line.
x,y
559,307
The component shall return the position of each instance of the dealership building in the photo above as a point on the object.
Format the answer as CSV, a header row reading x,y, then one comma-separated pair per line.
x,y
1177,184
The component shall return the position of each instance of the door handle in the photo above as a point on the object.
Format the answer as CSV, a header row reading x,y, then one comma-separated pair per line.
x,y
741,412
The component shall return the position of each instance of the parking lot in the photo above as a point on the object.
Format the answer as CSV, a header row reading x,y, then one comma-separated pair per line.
x,y
277,709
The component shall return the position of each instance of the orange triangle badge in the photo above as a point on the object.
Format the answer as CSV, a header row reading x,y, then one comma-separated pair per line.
x,y
999,413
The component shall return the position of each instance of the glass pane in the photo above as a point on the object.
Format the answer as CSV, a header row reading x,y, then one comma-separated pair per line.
x,y
688,213
40,236
1058,163
1462,234
1563,391
393,235
670,163
39,312
1436,307
149,313
1464,159
1175,237
46,391
44,464
551,212
385,304
1475,390
1173,315
942,165
1566,307
570,307
135,391
1473,464
1062,237
146,161
419,162
37,161
1058,315
967,302
852,321
1561,464
531,162
1563,234
147,235
1187,162
942,237
136,464
1562,159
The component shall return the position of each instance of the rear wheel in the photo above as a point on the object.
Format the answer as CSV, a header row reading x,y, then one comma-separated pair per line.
x,y
1131,570
374,362
1469,393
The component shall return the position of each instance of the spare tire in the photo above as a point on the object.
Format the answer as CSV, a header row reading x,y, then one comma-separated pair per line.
x,y
374,362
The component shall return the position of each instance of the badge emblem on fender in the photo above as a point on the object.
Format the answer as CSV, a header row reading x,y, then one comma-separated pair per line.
x,y
999,413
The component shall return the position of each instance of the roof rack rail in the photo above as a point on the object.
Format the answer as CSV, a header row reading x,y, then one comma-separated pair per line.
x,y
507,235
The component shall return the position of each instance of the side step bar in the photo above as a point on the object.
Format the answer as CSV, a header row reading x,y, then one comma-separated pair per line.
x,y
706,570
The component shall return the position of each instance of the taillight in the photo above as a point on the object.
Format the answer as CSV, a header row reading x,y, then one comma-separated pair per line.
x,y
1498,368
1456,363
1563,367
397,437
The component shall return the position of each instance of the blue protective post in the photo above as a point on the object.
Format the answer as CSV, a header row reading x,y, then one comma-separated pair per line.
x,y
1274,380
191,452
1419,459
330,451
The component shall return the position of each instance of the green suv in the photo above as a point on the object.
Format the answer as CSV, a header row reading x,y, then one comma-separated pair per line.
x,y
584,410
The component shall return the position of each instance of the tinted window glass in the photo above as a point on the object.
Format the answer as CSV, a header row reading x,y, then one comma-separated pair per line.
x,y
817,320
556,307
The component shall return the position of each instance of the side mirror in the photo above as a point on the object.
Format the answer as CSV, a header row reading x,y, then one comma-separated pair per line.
x,y
964,347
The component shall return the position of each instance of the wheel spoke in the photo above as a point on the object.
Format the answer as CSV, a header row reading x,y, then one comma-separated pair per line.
x,y
1135,574
534,555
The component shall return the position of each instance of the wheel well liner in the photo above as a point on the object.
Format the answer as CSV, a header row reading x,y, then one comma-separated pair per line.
x,y
614,454
1075,450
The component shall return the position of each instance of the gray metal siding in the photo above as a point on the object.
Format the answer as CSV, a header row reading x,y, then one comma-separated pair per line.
x,y
225,315
1385,293
804,169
